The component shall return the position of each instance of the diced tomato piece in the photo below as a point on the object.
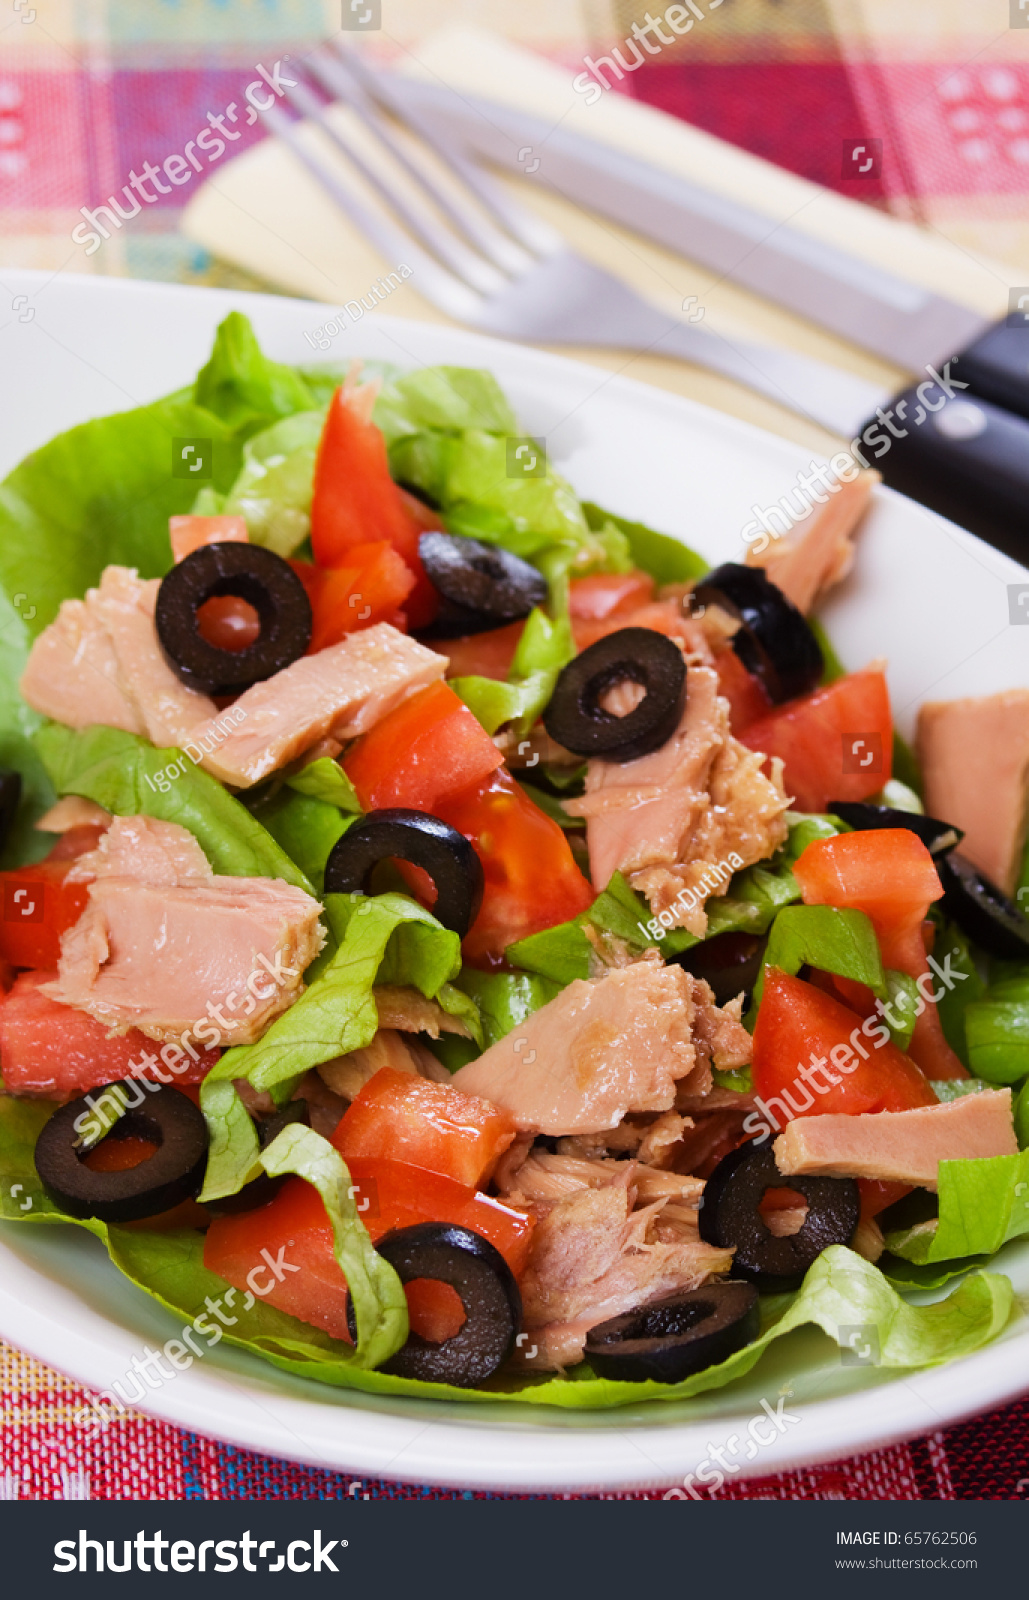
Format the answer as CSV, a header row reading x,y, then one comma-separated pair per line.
x,y
229,622
482,655
889,874
747,696
428,747
371,586
356,502
664,616
55,1051
531,879
802,1029
190,533
427,520
390,1195
39,905
401,1117
886,873
836,744
603,594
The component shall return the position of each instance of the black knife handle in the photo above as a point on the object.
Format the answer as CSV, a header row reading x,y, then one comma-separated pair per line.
x,y
963,457
996,366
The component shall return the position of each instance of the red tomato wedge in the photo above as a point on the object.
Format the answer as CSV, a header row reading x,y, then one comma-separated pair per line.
x,y
398,1116
39,905
531,879
836,744
888,874
802,1029
390,1195
190,533
747,695
605,594
55,1051
428,747
482,655
356,502
369,587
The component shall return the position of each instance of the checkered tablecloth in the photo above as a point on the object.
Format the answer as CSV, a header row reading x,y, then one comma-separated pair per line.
x,y
88,93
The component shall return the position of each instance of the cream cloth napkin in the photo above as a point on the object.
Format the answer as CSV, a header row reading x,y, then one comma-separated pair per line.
x,y
263,212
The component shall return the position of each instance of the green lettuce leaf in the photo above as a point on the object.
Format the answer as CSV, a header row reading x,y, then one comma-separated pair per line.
x,y
325,779
836,941
544,648
504,999
996,1029
130,777
242,386
305,828
276,481
983,1204
902,1006
951,1009
443,400
18,753
667,560
388,939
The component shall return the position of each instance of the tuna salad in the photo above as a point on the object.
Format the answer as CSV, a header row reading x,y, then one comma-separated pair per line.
x,y
498,954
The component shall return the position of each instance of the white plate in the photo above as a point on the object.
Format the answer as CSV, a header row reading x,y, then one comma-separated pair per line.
x,y
924,593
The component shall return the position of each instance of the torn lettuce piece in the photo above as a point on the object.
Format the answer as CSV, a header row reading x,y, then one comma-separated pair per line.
x,y
129,776
667,560
546,645
504,999
442,400
956,999
996,1028
276,481
900,1012
325,779
380,1306
841,942
305,828
388,939
242,386
983,1204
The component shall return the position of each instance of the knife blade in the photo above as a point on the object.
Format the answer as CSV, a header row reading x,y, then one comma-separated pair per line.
x,y
905,324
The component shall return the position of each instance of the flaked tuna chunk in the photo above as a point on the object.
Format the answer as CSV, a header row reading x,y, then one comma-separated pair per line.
x,y
592,1258
599,1049
100,661
169,948
975,762
341,691
125,605
72,674
679,822
73,811
899,1146
819,552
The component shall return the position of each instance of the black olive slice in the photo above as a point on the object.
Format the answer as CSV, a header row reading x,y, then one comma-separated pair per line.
x,y
158,1113
480,586
731,1219
259,1191
488,1292
665,1341
938,837
730,963
254,574
775,641
982,910
424,840
575,717
10,798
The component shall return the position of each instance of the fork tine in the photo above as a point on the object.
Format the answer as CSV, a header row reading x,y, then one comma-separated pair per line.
x,y
337,79
434,282
475,272
522,225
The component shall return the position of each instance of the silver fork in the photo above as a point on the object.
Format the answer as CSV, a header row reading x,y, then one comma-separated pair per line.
x,y
485,261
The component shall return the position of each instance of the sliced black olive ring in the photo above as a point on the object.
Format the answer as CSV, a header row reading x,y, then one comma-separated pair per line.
x,y
174,1172
423,840
10,797
480,586
774,641
575,717
669,1339
938,837
486,1286
730,1218
251,573
982,910
259,1191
